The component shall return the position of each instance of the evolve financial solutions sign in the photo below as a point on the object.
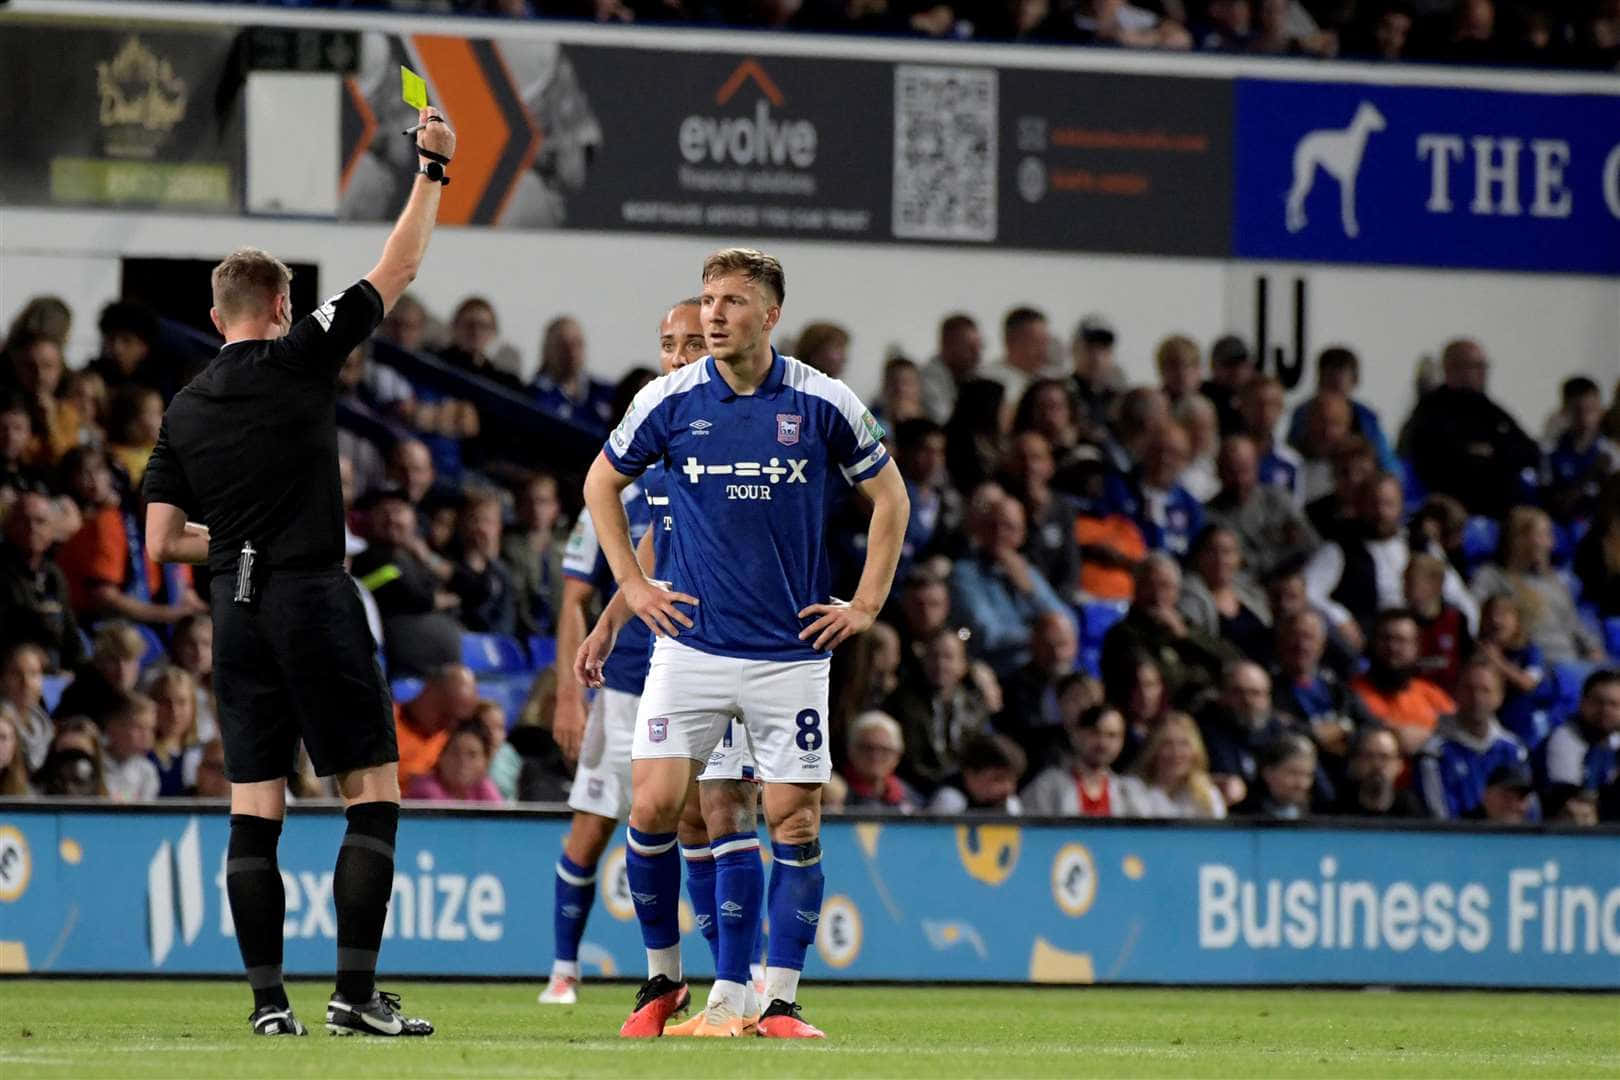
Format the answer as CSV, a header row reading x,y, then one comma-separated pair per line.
x,y
1427,176
141,891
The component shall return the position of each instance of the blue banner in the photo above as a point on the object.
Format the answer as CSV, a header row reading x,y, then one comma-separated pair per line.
x,y
143,892
1424,176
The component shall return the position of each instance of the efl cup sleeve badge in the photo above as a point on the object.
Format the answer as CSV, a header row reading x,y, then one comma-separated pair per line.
x,y
658,729
787,428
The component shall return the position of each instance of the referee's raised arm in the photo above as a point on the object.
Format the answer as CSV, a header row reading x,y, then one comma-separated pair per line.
x,y
402,254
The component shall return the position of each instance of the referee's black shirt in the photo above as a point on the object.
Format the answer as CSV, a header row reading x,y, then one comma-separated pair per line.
x,y
249,447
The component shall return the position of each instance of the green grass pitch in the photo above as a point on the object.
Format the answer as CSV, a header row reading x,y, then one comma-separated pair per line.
x,y
196,1029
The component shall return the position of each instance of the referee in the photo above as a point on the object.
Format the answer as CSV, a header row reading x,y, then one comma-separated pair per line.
x,y
249,450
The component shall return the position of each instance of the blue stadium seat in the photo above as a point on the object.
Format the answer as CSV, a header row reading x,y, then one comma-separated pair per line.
x,y
1480,539
1611,635
542,652
54,685
405,689
493,654
508,691
1571,674
1411,485
1097,617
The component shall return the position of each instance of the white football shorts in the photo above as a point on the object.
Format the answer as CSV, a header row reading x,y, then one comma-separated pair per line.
x,y
691,697
602,778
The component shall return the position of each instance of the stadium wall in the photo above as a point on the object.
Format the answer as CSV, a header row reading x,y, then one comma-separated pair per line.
x,y
140,892
1152,188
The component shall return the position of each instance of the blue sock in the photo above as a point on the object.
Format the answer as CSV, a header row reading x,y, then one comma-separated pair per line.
x,y
576,891
797,885
700,888
739,892
653,867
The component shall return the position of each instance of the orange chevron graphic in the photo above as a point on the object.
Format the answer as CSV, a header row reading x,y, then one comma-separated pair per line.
x,y
368,120
460,88
749,69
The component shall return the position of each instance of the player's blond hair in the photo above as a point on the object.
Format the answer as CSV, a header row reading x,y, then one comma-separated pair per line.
x,y
247,282
761,269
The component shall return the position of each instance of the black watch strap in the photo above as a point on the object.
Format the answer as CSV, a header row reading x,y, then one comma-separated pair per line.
x,y
434,171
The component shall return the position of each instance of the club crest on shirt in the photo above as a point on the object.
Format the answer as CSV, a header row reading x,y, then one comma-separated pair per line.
x,y
657,729
787,428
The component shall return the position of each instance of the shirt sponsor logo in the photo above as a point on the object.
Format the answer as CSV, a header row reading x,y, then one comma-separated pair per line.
x,y
774,470
787,428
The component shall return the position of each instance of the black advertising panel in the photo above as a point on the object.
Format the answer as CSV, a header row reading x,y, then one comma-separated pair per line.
x,y
732,143
1093,161
114,116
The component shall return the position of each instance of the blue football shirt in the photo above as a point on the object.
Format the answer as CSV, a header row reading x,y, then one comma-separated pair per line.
x,y
749,480
626,667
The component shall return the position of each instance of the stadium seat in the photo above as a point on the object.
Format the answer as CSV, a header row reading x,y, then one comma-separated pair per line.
x,y
54,685
493,654
542,652
1571,674
405,689
1097,617
1480,539
1411,485
510,692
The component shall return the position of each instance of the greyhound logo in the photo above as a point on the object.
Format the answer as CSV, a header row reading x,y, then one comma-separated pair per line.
x,y
1339,155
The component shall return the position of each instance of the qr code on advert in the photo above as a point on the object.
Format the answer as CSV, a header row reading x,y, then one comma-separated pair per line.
x,y
944,153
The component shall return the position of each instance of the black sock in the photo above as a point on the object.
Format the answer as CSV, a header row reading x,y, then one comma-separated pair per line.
x,y
258,905
361,890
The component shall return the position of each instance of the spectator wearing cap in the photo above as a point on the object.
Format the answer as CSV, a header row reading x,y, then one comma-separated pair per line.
x,y
409,583
35,602
1581,458
1466,445
1094,379
99,686
1269,527
1230,368
1507,797
1180,367
1338,371
1392,690
991,766
129,334
1027,476
995,590
1151,495
1363,572
1197,418
875,751
961,350
1372,787
130,774
449,699
1189,659
1467,746
1286,777
938,709
1261,403
1585,750
1027,342
564,386
1087,785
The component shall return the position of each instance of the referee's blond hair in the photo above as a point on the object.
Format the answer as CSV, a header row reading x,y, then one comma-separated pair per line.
x,y
247,282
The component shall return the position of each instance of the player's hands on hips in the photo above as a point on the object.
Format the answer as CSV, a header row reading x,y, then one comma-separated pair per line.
x,y
835,623
437,137
592,654
655,606
568,724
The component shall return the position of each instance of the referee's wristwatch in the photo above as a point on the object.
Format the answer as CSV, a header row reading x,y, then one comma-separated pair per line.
x,y
434,171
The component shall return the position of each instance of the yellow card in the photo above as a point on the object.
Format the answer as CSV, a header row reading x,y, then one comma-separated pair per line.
x,y
413,88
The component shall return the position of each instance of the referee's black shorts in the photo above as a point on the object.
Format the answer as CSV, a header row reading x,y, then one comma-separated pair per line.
x,y
298,663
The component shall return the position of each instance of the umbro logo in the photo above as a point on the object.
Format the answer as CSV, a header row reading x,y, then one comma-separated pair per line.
x,y
645,898
703,921
810,918
700,427
730,909
809,759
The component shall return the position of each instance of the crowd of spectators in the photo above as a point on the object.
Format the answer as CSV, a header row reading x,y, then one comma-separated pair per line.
x,y
1178,598
1576,33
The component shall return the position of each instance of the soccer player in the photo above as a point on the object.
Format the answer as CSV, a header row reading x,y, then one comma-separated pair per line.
x,y
600,796
249,447
754,444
